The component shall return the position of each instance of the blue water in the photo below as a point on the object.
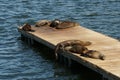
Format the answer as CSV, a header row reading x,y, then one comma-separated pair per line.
x,y
18,61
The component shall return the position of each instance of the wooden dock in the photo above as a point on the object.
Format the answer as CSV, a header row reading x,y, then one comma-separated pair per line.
x,y
109,68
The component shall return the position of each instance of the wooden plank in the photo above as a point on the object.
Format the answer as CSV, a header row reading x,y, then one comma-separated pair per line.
x,y
106,45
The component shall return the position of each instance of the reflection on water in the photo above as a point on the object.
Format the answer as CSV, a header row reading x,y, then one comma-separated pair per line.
x,y
18,61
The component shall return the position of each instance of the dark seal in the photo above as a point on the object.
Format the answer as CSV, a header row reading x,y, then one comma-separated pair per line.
x,y
94,54
70,43
83,51
55,23
27,27
77,48
59,24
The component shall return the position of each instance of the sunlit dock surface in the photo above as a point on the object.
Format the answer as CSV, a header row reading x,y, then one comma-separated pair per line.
x,y
108,68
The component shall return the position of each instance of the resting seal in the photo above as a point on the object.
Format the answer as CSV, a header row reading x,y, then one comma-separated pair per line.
x,y
67,24
55,23
66,43
79,49
27,27
83,51
42,23
58,24
94,54
63,44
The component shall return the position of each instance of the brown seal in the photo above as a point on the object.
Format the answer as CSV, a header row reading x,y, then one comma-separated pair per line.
x,y
67,24
42,23
58,24
26,27
94,54
79,49
66,43
55,23
70,43
83,51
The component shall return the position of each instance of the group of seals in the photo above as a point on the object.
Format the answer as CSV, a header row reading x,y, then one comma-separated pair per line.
x,y
78,47
58,24
69,45
83,51
73,46
64,44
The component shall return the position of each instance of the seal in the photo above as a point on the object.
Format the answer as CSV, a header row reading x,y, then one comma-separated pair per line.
x,y
83,51
66,43
27,27
94,54
63,44
58,24
67,24
78,49
55,23
42,23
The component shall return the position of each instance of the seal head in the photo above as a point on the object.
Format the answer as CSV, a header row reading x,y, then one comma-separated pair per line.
x,y
55,23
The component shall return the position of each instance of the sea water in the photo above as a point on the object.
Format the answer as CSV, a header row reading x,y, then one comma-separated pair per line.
x,y
18,61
